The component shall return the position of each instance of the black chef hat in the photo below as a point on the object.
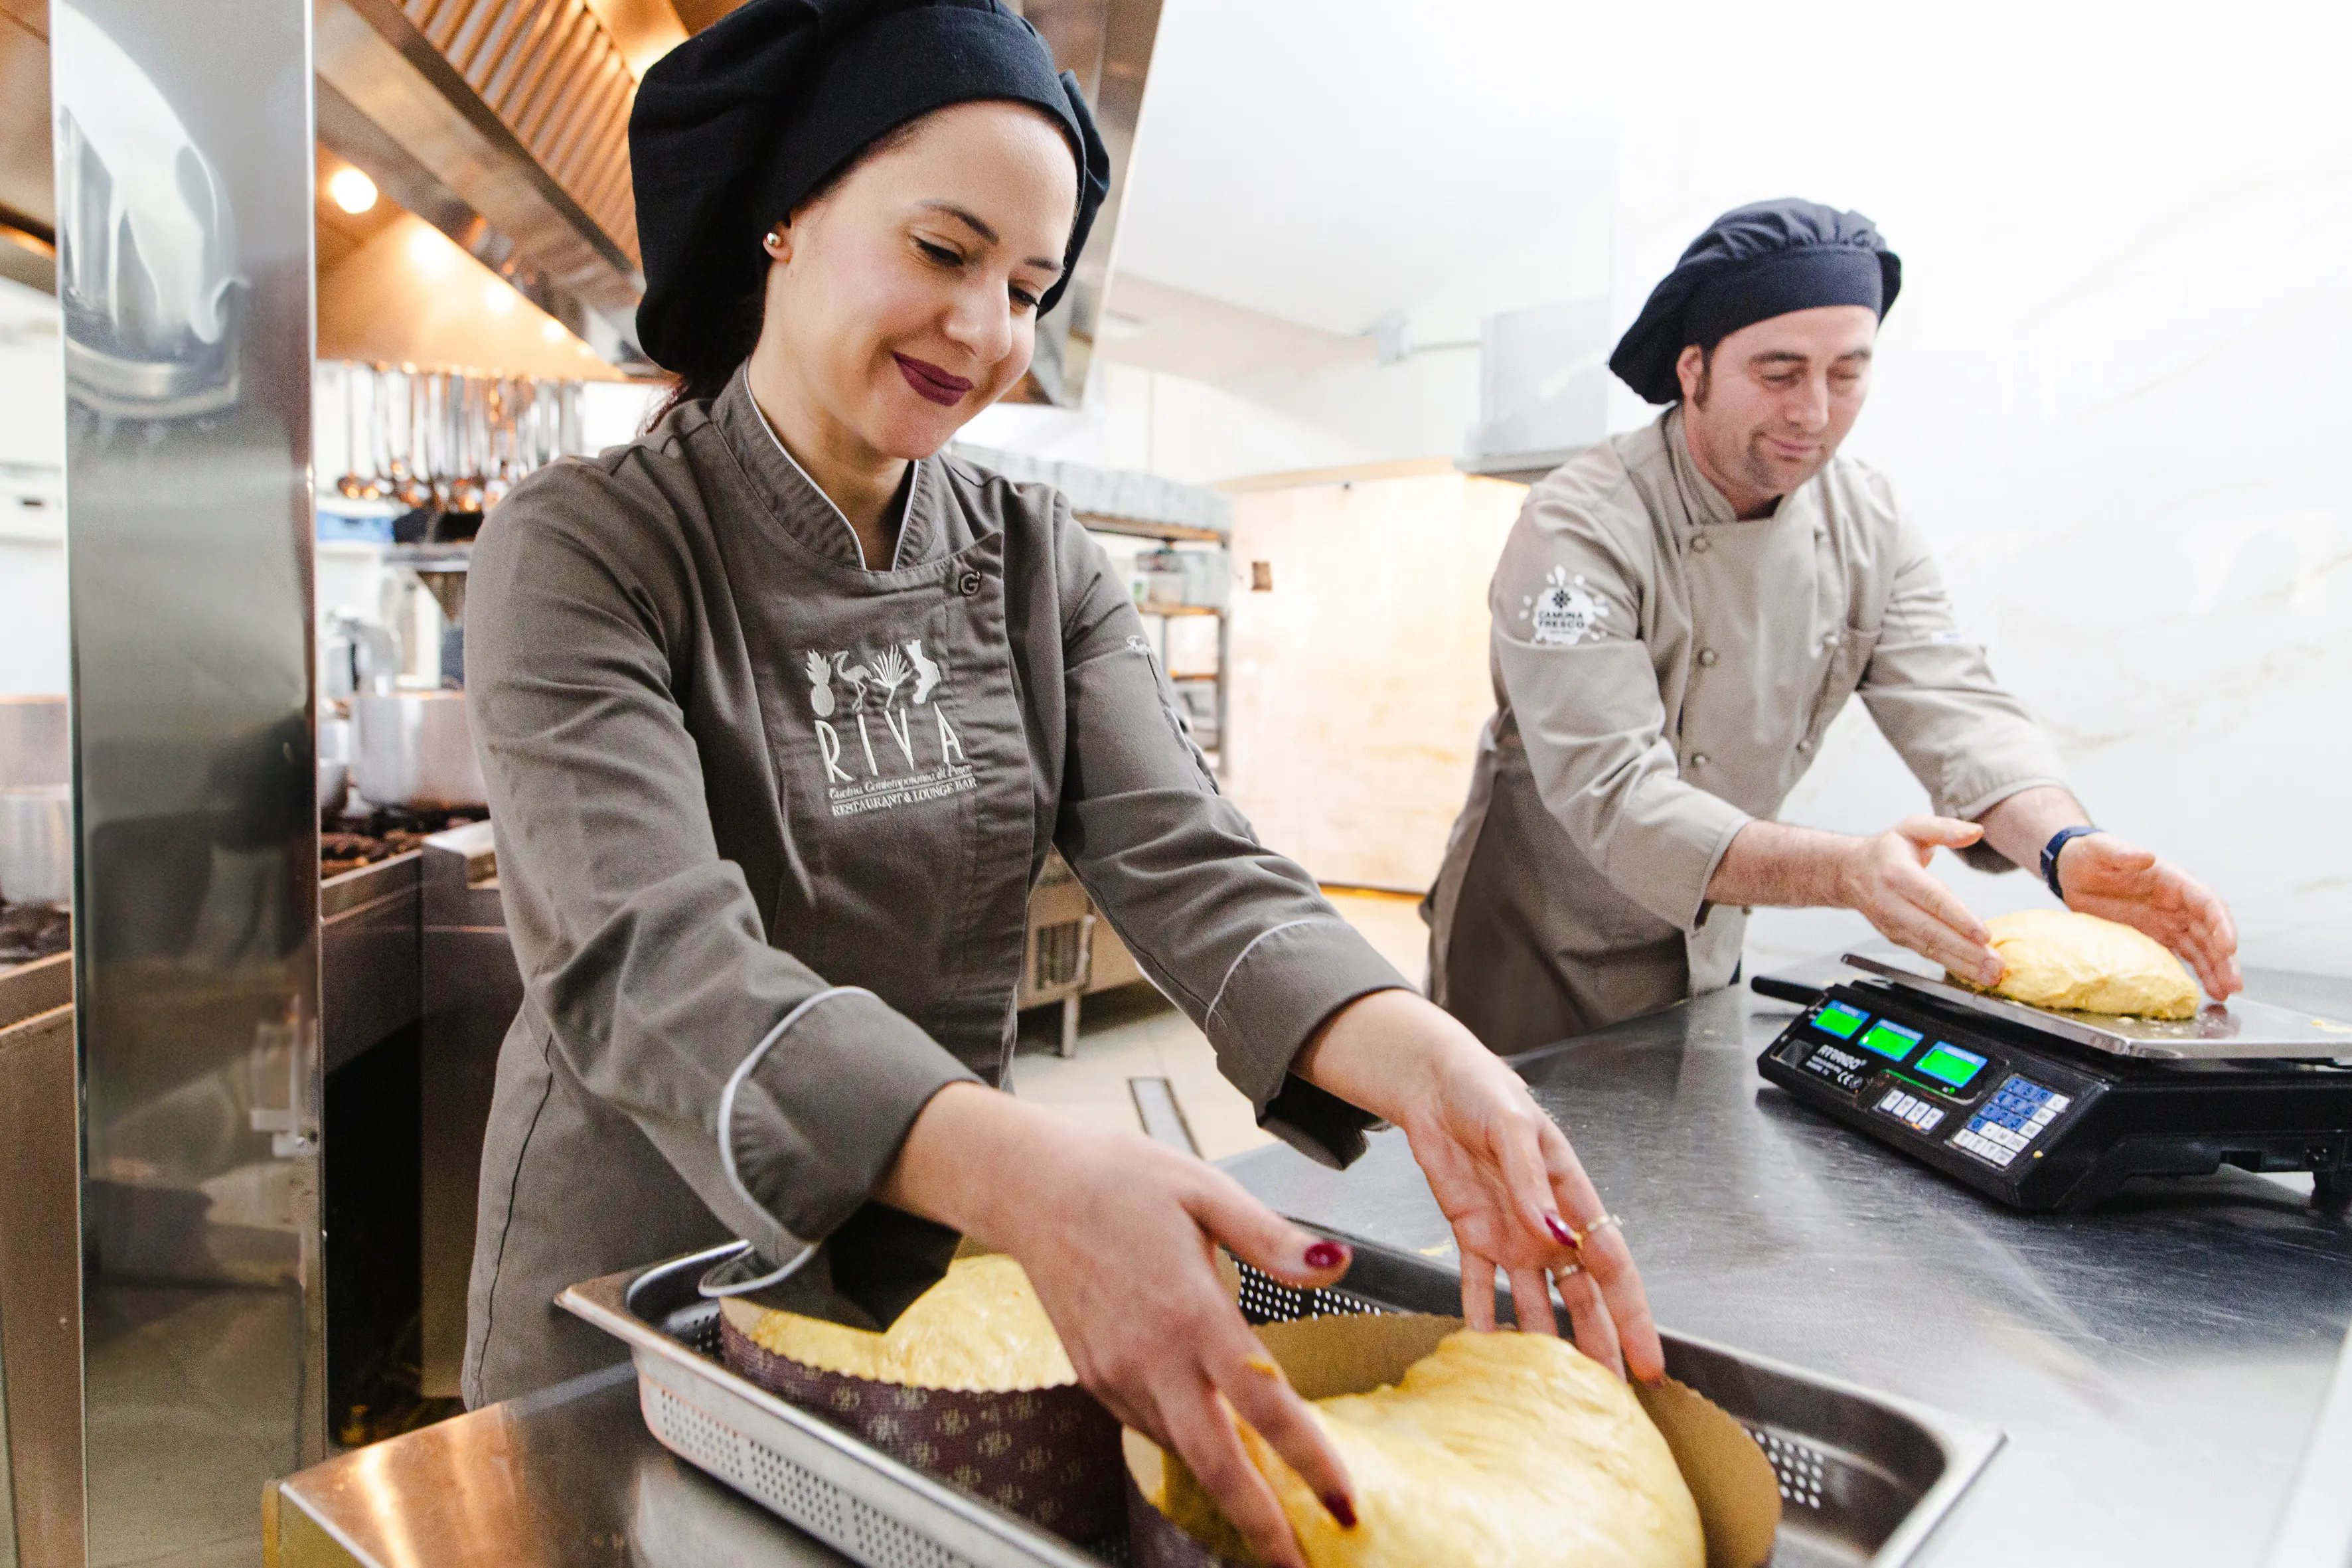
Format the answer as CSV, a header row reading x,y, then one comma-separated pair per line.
x,y
1753,263
737,126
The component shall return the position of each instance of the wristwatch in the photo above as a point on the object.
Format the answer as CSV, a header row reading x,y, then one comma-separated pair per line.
x,y
2058,840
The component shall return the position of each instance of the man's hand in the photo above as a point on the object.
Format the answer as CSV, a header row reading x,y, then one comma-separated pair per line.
x,y
2120,881
1883,877
1886,878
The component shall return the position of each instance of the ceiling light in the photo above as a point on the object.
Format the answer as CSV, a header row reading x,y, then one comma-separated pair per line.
x,y
427,248
498,299
353,192
551,330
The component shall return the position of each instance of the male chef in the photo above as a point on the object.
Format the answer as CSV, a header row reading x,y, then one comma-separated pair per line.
x,y
1678,615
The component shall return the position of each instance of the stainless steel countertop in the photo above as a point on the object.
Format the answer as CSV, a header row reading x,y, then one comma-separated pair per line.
x,y
2157,1363
569,1477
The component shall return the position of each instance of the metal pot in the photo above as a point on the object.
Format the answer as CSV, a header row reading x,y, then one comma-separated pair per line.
x,y
36,843
35,749
415,749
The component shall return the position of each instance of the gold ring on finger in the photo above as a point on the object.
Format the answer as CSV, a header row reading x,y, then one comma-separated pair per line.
x,y
1605,1222
1564,1275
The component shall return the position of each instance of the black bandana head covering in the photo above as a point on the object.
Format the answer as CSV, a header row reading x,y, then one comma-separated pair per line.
x,y
737,125
1754,263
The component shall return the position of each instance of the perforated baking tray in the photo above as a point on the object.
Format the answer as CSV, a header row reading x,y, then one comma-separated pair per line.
x,y
1865,1477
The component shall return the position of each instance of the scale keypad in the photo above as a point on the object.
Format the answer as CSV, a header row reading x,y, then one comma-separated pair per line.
x,y
1910,1108
2010,1120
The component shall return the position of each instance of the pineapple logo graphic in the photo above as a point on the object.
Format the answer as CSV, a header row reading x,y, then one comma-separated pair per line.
x,y
1565,612
820,675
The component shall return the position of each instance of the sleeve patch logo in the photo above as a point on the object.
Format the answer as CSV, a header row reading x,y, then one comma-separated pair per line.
x,y
1565,612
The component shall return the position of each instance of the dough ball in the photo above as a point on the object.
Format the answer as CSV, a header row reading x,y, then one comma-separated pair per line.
x,y
2060,959
1504,1449
981,1328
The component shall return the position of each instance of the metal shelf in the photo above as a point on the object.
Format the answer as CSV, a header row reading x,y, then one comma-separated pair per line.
x,y
1136,528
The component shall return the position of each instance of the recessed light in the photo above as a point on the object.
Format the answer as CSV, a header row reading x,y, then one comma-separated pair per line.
x,y
352,191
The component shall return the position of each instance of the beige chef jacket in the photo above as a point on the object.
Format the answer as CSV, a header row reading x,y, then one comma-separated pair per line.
x,y
768,817
1664,673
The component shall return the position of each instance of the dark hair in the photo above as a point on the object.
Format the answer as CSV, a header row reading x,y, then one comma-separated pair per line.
x,y
1705,376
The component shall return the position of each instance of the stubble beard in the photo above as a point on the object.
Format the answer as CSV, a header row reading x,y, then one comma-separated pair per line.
x,y
1777,475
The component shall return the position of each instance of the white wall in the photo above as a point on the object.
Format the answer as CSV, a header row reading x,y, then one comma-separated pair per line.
x,y
33,639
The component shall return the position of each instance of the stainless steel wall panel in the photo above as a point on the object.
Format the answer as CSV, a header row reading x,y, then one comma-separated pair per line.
x,y
186,176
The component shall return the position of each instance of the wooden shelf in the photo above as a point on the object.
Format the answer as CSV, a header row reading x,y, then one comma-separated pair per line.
x,y
1173,610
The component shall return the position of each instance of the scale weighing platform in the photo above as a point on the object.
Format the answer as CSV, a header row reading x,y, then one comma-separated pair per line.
x,y
2045,1109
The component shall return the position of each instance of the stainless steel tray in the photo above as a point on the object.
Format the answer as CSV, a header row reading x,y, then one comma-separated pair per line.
x,y
1865,1477
2239,1030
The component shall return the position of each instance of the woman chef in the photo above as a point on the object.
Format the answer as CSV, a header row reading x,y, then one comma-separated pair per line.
x,y
781,711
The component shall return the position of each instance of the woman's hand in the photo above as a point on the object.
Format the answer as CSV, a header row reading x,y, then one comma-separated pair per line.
x,y
1117,1233
1501,1170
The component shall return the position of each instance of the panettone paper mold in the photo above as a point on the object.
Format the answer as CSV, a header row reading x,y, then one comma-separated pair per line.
x,y
1050,1455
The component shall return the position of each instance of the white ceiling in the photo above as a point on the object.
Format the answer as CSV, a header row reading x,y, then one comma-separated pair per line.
x,y
1330,161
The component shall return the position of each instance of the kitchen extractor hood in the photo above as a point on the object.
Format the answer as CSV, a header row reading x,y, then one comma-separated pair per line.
x,y
504,124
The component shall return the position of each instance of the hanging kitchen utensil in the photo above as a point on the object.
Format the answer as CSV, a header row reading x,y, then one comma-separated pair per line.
x,y
441,427
397,470
416,489
466,488
351,486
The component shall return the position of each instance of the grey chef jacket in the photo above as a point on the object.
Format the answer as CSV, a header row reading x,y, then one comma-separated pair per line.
x,y
734,771
1664,673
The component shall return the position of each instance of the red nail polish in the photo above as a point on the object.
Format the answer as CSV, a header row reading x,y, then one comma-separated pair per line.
x,y
1559,1230
1326,1255
1337,1505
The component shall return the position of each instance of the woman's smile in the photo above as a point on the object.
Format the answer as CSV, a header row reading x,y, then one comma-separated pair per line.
x,y
932,383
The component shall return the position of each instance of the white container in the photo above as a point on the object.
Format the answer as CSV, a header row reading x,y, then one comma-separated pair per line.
x,y
37,845
415,749
35,742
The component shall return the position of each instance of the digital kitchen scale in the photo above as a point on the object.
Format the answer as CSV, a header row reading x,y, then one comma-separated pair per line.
x,y
2045,1110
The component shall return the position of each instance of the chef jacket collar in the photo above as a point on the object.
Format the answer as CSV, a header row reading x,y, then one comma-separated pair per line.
x,y
803,509
1702,502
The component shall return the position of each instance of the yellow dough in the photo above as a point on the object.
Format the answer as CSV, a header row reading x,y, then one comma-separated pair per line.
x,y
1504,1450
982,1329
2061,958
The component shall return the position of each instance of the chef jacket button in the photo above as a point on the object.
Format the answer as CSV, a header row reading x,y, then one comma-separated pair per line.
x,y
1699,545
1698,759
1706,657
1804,745
968,584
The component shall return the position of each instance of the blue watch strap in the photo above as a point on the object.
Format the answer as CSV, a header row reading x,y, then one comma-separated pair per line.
x,y
2059,840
